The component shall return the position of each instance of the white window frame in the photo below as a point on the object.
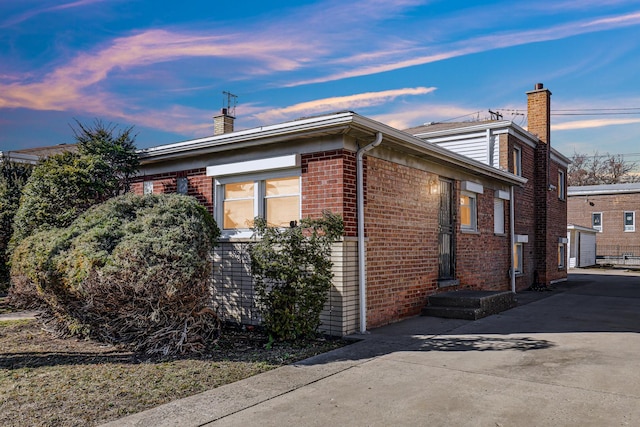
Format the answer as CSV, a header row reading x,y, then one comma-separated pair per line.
x,y
498,216
259,197
562,256
561,185
596,227
473,203
517,160
631,227
518,248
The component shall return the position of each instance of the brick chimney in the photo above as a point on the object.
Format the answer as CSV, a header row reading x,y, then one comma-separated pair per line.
x,y
223,123
539,113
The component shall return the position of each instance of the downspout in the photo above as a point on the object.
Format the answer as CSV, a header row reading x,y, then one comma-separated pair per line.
x,y
513,239
362,280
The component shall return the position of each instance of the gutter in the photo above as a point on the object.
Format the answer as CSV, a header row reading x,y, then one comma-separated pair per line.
x,y
512,228
362,280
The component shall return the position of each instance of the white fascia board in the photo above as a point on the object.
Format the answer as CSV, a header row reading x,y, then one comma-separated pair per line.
x,y
560,158
261,165
255,135
437,152
503,195
581,228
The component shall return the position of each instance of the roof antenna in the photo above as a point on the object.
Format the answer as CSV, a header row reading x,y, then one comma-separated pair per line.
x,y
232,101
495,115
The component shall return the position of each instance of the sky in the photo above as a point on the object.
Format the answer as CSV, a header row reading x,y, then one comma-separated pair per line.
x,y
162,67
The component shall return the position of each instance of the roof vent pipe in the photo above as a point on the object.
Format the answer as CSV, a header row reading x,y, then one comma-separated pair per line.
x,y
362,280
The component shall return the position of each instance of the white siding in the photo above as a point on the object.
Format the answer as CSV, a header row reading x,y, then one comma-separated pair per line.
x,y
476,147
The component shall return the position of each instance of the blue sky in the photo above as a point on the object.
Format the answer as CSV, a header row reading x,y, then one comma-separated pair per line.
x,y
162,66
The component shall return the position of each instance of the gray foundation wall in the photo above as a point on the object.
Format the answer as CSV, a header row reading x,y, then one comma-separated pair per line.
x,y
236,301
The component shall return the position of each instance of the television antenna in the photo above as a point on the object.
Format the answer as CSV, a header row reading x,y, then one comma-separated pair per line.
x,y
231,102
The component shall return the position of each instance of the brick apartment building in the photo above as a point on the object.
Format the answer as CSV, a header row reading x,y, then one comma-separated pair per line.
x,y
611,210
420,218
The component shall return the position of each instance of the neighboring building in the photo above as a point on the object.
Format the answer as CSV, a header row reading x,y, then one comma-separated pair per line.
x,y
419,218
33,155
611,210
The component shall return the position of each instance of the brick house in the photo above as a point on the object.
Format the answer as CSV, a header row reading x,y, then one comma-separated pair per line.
x,y
540,233
419,217
611,210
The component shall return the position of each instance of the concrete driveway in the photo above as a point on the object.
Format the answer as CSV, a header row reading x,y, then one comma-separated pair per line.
x,y
568,357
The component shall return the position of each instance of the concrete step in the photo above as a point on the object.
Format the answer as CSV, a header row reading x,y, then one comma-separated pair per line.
x,y
470,305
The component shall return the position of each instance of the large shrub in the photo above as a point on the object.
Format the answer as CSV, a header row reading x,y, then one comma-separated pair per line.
x,y
13,177
59,190
67,184
292,272
134,270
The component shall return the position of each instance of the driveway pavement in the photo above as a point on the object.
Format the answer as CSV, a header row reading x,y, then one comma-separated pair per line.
x,y
567,357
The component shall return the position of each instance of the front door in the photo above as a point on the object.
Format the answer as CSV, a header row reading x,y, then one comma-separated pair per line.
x,y
446,247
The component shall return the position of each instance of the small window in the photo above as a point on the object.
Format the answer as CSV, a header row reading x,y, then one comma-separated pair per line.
x,y
498,216
517,161
630,221
468,212
182,185
561,185
562,255
147,187
517,258
596,221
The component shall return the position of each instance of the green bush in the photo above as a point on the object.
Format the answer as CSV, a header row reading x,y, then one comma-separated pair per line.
x,y
13,177
135,270
59,190
292,272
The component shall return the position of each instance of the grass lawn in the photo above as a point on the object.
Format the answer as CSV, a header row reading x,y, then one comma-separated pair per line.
x,y
47,381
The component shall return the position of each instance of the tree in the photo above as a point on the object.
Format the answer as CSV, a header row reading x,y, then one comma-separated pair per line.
x,y
117,150
600,169
59,190
67,184
13,177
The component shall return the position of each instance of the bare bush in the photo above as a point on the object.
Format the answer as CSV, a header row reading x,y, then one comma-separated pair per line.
x,y
134,271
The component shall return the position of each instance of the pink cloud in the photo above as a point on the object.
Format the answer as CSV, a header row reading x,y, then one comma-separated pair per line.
x,y
350,102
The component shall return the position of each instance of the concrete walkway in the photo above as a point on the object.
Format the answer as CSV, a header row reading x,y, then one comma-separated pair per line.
x,y
568,357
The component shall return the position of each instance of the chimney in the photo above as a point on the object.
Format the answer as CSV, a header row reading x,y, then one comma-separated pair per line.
x,y
223,123
539,113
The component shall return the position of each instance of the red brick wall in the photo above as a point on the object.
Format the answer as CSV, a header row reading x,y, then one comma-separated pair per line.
x,y
483,259
329,183
200,185
556,226
525,210
402,241
323,176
